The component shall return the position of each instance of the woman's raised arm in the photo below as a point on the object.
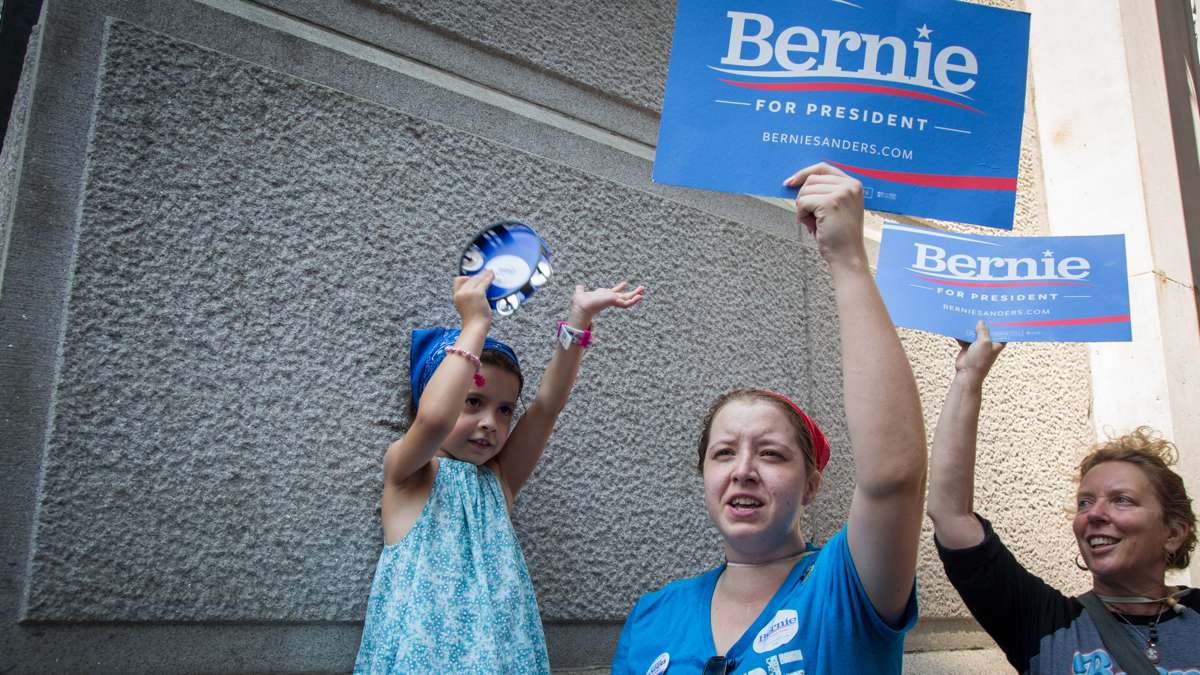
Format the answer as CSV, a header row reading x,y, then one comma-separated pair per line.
x,y
952,464
883,410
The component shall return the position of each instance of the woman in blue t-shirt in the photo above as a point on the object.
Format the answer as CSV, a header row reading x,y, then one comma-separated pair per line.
x,y
778,605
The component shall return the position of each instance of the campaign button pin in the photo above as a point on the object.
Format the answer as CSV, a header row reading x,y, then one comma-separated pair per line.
x,y
660,664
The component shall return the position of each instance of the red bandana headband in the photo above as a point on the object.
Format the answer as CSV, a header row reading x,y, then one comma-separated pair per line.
x,y
820,445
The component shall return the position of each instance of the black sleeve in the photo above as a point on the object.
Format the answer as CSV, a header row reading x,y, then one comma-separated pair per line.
x,y
1015,607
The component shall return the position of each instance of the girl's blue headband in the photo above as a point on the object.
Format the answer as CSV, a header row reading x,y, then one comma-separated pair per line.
x,y
429,348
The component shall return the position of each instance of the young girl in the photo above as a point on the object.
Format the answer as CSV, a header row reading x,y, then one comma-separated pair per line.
x,y
451,592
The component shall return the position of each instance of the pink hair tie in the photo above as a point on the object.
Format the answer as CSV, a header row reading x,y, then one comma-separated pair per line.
x,y
820,445
479,381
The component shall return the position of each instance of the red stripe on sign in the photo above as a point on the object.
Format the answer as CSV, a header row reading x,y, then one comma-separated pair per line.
x,y
849,86
934,180
1120,318
1002,284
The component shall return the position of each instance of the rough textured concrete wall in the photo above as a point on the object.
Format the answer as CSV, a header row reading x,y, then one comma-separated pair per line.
x,y
238,319
14,145
618,48
248,252
266,209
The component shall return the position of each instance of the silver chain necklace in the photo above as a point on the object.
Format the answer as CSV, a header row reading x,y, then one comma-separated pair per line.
x,y
1151,649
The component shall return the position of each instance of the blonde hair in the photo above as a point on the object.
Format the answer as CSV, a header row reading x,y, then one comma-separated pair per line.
x,y
1154,455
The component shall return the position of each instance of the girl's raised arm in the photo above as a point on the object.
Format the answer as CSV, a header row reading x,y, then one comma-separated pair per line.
x,y
524,447
952,462
883,411
442,401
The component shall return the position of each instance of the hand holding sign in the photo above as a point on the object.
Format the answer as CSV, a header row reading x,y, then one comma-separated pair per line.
x,y
975,359
830,205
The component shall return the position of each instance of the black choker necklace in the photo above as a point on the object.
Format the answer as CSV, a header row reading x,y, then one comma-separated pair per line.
x,y
794,556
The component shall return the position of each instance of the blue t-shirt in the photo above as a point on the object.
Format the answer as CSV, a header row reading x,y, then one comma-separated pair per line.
x,y
819,621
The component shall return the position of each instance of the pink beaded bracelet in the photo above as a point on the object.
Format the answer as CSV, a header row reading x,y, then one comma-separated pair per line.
x,y
479,381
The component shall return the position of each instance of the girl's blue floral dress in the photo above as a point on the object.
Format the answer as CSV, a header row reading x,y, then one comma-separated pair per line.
x,y
454,595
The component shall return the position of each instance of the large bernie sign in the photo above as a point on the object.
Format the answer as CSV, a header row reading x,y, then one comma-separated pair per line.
x,y
1027,289
922,100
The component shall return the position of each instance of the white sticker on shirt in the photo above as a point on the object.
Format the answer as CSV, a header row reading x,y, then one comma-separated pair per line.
x,y
778,631
782,664
791,657
660,664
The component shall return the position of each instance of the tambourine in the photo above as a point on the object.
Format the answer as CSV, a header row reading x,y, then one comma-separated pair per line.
x,y
518,257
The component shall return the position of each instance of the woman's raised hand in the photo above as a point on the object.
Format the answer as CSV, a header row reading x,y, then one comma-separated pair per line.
x,y
585,304
830,204
975,359
470,298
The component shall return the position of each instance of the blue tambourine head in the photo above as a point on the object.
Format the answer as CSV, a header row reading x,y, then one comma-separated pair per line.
x,y
518,257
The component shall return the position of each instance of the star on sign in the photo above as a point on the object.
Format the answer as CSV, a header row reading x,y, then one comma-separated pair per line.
x,y
923,32
1047,253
